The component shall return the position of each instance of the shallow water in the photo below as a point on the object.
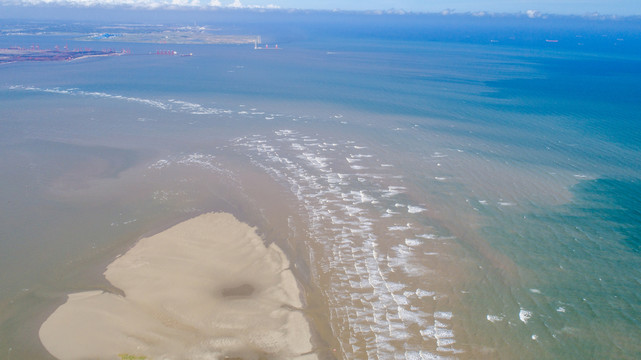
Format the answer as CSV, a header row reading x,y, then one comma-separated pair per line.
x,y
445,198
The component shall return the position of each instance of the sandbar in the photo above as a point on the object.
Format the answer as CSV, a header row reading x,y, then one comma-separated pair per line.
x,y
207,288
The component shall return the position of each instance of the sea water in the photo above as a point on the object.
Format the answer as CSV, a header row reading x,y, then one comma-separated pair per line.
x,y
447,187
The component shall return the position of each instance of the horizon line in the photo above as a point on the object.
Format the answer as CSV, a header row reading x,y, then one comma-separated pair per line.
x,y
529,13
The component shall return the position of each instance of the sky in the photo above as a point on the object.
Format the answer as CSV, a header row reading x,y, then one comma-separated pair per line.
x,y
619,7
578,7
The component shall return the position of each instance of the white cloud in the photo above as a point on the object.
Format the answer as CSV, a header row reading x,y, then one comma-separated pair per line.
x,y
148,4
185,3
533,14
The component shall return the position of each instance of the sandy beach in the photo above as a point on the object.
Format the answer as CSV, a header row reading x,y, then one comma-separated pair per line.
x,y
207,288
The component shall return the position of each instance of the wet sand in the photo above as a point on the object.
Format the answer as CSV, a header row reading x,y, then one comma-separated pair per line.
x,y
206,288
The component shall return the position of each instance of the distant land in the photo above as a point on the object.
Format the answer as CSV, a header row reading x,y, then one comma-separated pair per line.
x,y
151,34
186,36
17,54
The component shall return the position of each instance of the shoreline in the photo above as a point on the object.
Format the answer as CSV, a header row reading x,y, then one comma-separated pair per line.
x,y
10,56
206,286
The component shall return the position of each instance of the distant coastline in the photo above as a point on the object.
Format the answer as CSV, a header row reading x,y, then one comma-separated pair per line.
x,y
173,36
16,54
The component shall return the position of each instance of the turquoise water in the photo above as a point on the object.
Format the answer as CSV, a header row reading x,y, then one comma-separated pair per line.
x,y
454,196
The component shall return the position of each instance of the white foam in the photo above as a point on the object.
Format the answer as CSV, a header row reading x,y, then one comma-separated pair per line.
x,y
427,236
362,197
415,209
160,164
421,355
198,159
437,332
424,293
413,242
353,211
445,342
399,227
412,317
494,318
369,310
361,156
193,108
525,315
443,315
449,350
393,191
171,104
284,132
